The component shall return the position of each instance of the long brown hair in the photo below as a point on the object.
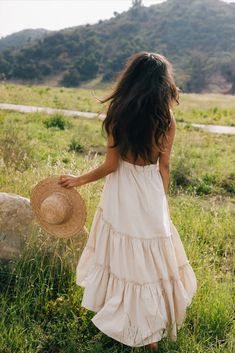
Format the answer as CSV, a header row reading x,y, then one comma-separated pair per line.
x,y
139,106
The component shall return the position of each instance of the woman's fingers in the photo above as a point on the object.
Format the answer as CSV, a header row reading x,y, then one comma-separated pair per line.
x,y
64,178
67,181
64,182
66,185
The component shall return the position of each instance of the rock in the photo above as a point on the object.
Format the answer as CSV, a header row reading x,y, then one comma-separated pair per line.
x,y
15,224
95,151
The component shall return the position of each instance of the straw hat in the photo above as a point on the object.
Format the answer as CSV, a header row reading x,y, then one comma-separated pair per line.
x,y
60,211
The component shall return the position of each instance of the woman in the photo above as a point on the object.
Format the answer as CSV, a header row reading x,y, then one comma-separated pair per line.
x,y
136,275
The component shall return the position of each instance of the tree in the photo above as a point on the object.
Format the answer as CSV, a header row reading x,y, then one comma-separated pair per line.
x,y
87,67
228,71
136,3
197,69
136,9
71,79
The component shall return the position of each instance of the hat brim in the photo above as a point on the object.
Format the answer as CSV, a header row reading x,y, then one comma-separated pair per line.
x,y
77,220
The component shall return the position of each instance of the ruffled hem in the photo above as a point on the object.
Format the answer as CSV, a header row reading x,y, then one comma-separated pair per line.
x,y
136,302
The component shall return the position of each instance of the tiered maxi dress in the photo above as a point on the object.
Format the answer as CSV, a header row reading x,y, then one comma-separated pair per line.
x,y
136,274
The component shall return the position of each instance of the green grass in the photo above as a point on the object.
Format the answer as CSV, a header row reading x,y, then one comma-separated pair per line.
x,y
215,109
205,167
54,97
41,304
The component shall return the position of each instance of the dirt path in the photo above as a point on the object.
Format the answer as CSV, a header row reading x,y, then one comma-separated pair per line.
x,y
218,129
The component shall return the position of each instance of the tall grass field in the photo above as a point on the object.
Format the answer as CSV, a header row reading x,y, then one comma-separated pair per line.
x,y
39,301
215,109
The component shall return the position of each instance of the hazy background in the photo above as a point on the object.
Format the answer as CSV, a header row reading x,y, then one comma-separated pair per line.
x,y
76,42
16,15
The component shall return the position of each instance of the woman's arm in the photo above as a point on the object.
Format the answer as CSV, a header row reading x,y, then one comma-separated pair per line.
x,y
164,158
108,166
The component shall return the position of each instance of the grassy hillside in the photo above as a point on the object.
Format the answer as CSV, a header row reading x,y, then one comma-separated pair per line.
x,y
198,36
40,303
214,109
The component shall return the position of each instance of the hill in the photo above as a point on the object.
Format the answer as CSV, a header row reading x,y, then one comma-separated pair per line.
x,y
21,38
197,36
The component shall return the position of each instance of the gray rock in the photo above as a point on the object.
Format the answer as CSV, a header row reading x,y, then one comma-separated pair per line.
x,y
15,224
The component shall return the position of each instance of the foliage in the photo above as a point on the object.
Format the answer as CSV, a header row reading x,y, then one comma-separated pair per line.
x,y
75,146
214,109
198,72
204,168
57,121
21,38
185,31
40,303
136,3
228,71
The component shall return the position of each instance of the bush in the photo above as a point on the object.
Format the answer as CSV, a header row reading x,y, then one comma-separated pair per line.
x,y
229,183
57,121
75,146
71,79
206,184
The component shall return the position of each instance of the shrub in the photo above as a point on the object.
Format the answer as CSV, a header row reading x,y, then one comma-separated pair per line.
x,y
205,185
229,183
57,121
75,146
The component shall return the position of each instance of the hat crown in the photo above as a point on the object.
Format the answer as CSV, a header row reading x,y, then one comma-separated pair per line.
x,y
56,208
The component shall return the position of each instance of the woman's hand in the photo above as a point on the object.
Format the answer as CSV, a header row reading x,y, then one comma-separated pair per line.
x,y
70,181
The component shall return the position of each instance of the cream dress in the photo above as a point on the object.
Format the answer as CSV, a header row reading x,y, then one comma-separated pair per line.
x,y
136,274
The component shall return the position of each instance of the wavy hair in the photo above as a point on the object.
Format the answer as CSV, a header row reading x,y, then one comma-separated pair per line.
x,y
139,111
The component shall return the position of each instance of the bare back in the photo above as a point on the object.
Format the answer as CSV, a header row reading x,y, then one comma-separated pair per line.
x,y
157,155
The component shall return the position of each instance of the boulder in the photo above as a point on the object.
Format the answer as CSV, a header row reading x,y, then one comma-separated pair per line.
x,y
15,223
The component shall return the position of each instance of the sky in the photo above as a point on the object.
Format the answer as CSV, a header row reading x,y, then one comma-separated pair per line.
x,y
16,15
